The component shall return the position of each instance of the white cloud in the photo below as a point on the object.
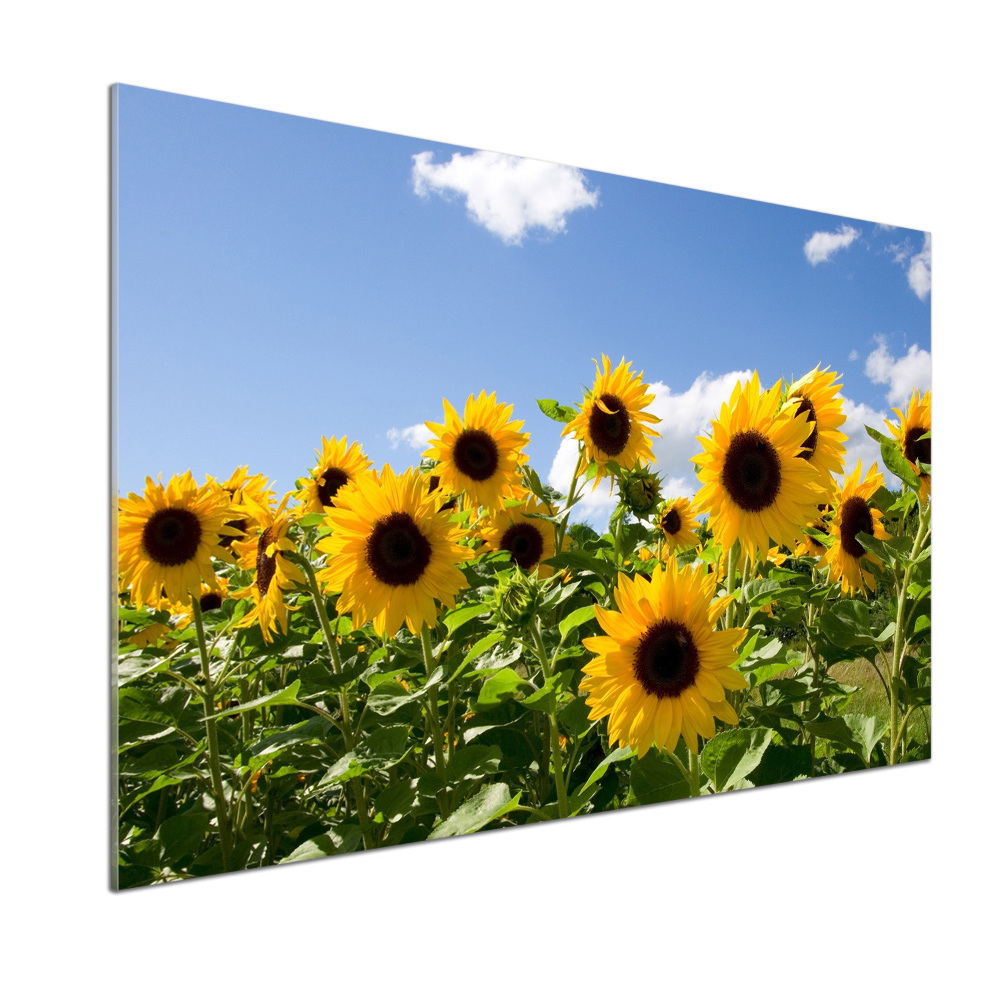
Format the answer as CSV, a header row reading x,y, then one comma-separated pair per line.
x,y
902,375
901,252
417,436
596,505
822,246
508,195
919,273
683,417
853,356
859,445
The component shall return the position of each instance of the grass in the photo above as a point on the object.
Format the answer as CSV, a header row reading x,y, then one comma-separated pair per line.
x,y
870,699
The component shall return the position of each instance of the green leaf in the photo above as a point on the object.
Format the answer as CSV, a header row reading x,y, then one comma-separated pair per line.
x,y
455,619
473,762
311,520
531,479
616,755
556,411
760,592
385,747
782,763
141,617
163,781
888,550
893,458
487,642
575,559
486,805
730,757
286,696
656,778
848,624
857,733
544,699
156,705
270,747
337,840
136,665
575,619
501,687
386,702
182,835
763,673
574,719
409,797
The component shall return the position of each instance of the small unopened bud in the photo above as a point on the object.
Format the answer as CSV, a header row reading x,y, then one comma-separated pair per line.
x,y
516,598
639,491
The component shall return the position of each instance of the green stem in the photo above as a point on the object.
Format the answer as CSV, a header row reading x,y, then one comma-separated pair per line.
x,y
344,725
212,734
730,582
555,748
430,664
571,499
899,641
694,775
530,809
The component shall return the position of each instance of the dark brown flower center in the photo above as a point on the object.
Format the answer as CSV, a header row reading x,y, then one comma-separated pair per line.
x,y
609,431
670,523
329,483
916,447
475,455
210,601
751,473
854,517
524,543
809,445
397,551
171,536
666,660
265,564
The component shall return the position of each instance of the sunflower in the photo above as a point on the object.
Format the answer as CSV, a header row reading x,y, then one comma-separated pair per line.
x,y
392,553
612,423
448,502
913,425
168,536
756,486
275,572
479,452
662,670
238,485
677,524
817,397
151,635
807,545
852,515
529,540
212,596
336,466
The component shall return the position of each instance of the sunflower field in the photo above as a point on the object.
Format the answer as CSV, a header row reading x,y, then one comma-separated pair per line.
x,y
380,658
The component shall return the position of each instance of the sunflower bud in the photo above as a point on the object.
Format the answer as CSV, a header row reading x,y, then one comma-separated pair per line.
x,y
639,491
516,598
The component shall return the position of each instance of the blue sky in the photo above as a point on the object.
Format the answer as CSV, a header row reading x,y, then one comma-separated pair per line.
x,y
281,279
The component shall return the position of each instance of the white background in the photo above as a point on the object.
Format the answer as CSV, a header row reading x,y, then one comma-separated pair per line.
x,y
869,884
